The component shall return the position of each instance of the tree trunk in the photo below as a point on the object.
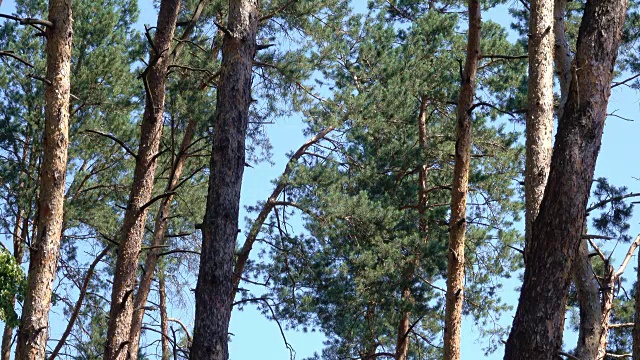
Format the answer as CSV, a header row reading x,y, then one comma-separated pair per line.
x,y
214,290
539,131
402,342
588,293
636,317
539,321
19,234
159,232
460,189
164,318
132,230
562,53
45,249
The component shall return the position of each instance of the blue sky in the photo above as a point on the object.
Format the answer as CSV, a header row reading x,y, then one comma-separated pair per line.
x,y
255,337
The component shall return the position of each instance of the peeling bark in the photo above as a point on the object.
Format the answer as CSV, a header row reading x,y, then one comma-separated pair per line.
x,y
460,189
214,290
45,249
538,325
132,230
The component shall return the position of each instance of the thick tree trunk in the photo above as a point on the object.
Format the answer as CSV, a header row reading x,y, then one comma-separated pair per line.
x,y
539,131
132,230
460,189
588,293
45,249
159,232
214,291
539,321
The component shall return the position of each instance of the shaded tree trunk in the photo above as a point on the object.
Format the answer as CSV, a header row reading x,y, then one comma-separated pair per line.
x,y
588,294
132,230
460,189
539,321
159,231
562,53
45,249
539,131
402,342
214,290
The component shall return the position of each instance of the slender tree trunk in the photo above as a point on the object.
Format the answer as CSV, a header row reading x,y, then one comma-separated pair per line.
x,y
539,131
402,342
159,232
132,230
588,294
164,322
45,249
636,317
214,290
19,234
460,189
538,325
562,53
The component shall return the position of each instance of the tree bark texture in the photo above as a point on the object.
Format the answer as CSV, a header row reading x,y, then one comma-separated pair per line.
x,y
159,231
132,230
539,130
214,290
45,249
588,294
538,324
460,189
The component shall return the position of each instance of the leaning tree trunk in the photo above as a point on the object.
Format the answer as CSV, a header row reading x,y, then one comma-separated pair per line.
x,y
539,130
460,189
133,227
159,232
45,249
539,321
214,290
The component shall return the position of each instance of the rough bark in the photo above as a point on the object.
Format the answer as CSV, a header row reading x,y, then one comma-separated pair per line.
x,y
159,232
460,189
538,324
132,230
45,249
588,294
214,290
539,130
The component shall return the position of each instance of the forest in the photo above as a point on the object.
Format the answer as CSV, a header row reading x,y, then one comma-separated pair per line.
x,y
319,179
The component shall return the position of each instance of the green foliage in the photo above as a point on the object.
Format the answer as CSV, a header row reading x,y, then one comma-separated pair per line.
x,y
12,286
